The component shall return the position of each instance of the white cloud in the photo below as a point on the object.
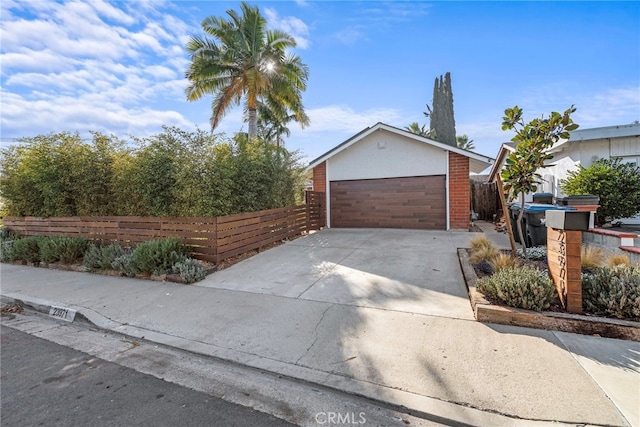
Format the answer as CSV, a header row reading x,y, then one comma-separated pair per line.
x,y
160,72
349,36
74,65
72,113
345,119
614,106
105,9
291,25
36,60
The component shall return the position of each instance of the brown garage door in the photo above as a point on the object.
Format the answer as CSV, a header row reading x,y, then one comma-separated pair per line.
x,y
412,202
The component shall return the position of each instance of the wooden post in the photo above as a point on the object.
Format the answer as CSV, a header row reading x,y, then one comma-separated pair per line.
x,y
307,199
505,211
563,255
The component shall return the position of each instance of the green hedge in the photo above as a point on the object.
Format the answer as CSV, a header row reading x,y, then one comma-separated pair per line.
x,y
174,173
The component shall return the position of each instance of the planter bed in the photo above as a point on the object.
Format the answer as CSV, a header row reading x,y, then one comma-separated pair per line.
x,y
175,278
487,312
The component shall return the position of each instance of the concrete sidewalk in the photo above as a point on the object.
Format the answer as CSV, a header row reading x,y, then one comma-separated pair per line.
x,y
385,349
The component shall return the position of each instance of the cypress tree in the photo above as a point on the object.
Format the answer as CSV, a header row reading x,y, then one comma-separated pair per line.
x,y
441,116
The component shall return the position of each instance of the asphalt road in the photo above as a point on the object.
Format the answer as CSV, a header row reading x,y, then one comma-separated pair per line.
x,y
43,383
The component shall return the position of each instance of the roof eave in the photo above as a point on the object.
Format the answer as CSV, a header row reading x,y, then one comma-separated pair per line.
x,y
504,151
478,158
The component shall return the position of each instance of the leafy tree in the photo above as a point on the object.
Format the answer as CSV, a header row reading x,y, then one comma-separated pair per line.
x,y
520,174
242,59
463,142
441,116
419,130
616,183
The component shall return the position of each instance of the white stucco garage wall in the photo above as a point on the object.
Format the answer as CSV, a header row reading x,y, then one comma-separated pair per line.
x,y
386,155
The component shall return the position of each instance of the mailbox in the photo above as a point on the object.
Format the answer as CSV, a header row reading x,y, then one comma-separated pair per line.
x,y
567,220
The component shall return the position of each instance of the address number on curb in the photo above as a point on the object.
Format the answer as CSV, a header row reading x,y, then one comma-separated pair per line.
x,y
62,313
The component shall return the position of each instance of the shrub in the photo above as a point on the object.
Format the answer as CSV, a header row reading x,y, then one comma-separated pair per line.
x,y
523,287
27,249
480,242
503,260
7,238
483,254
190,270
535,253
615,182
125,264
6,250
618,259
158,256
6,234
63,249
591,257
48,249
613,292
92,257
173,173
102,257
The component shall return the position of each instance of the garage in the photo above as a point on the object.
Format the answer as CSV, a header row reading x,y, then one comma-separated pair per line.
x,y
407,202
386,177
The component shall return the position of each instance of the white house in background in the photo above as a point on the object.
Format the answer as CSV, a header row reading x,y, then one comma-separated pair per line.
x,y
584,147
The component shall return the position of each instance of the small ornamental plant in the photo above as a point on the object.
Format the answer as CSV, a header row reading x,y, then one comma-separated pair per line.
x,y
521,287
613,292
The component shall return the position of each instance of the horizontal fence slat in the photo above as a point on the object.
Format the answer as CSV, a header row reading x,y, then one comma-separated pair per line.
x,y
211,239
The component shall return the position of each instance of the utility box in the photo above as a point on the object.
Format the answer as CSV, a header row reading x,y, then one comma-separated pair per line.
x,y
568,220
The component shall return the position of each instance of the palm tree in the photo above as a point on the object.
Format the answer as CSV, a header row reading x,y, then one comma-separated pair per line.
x,y
464,143
271,128
419,130
273,118
244,60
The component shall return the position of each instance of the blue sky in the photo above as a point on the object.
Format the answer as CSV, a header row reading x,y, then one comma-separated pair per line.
x,y
118,67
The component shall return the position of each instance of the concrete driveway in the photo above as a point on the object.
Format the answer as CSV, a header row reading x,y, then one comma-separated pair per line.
x,y
377,313
412,271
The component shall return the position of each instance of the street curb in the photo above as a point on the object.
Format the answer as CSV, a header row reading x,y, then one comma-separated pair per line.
x,y
486,312
404,401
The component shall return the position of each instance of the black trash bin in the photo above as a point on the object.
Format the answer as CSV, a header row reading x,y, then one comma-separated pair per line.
x,y
544,198
533,224
536,224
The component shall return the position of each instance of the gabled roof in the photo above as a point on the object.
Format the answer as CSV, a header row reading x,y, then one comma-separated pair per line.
x,y
576,136
505,149
593,134
618,131
477,162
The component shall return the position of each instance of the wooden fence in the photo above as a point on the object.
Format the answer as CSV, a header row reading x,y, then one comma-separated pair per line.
x,y
316,212
484,199
212,239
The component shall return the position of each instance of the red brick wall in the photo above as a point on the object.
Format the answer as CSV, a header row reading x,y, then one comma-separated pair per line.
x,y
320,177
459,192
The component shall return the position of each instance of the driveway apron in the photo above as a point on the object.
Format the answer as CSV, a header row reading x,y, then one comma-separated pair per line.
x,y
411,271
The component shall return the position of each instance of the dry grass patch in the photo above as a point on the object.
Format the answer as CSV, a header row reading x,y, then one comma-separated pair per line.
x,y
618,259
503,260
592,257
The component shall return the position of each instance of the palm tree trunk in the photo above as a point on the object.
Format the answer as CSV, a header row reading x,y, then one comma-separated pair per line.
x,y
253,123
